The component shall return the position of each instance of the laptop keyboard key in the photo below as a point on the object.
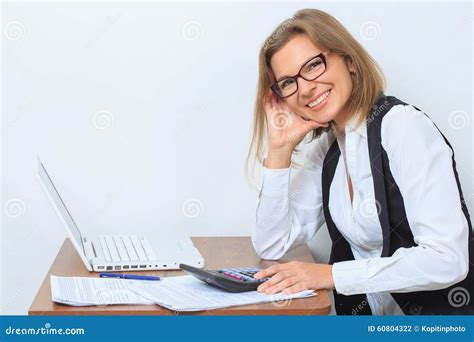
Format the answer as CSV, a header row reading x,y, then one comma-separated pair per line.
x,y
130,249
105,249
148,249
138,248
112,248
121,248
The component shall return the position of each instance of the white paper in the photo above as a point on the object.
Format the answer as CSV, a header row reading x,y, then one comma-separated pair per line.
x,y
84,291
186,293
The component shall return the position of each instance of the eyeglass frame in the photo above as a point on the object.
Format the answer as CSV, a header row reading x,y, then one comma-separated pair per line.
x,y
322,55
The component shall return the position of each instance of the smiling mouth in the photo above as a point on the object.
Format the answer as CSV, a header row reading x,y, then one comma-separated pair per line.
x,y
319,99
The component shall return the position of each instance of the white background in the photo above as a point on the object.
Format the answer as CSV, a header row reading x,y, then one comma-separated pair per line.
x,y
142,113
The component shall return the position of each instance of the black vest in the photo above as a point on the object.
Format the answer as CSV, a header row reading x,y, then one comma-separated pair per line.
x,y
391,215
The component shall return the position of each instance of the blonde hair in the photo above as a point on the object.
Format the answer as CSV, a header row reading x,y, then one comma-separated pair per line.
x,y
327,34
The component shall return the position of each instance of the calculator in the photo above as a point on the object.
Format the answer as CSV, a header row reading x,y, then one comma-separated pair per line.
x,y
229,279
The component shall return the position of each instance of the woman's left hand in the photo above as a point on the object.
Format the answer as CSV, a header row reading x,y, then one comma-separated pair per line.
x,y
295,276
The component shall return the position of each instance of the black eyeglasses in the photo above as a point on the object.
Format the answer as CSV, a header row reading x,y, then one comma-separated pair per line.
x,y
310,71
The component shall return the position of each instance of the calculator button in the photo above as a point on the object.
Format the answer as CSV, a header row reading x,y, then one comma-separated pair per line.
x,y
232,275
244,274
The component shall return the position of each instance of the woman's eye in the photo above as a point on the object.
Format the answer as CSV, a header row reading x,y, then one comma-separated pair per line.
x,y
286,84
314,65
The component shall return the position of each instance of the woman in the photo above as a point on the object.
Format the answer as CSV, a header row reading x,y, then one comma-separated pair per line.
x,y
380,175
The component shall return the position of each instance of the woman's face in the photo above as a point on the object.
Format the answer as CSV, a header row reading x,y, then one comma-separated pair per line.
x,y
336,80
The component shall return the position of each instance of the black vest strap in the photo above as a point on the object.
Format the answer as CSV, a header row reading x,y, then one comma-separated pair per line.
x,y
384,104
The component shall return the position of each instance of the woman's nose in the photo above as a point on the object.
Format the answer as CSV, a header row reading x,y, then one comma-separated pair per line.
x,y
306,88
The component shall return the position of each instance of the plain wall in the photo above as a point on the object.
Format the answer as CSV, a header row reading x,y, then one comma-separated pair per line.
x,y
142,113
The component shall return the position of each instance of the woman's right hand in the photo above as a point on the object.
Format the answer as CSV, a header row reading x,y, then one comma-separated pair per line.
x,y
285,131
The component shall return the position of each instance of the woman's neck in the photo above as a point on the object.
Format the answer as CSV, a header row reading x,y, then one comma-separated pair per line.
x,y
341,120
339,126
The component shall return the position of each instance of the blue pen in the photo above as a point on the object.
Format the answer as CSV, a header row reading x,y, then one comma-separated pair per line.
x,y
127,276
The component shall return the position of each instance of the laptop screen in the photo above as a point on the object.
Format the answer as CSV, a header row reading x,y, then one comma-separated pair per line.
x,y
59,204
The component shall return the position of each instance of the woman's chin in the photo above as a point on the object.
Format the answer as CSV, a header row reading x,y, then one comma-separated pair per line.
x,y
321,119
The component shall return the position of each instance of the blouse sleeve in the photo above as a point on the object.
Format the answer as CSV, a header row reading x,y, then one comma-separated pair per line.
x,y
289,212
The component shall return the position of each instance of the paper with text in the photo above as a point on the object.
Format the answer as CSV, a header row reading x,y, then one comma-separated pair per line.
x,y
84,291
186,293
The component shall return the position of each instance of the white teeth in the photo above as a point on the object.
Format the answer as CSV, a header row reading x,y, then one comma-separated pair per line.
x,y
319,99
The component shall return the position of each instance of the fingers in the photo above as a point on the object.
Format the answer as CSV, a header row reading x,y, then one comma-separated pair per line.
x,y
277,278
279,273
287,278
285,283
268,271
303,127
274,105
298,287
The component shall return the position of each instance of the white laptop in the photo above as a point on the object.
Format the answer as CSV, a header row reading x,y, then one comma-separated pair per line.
x,y
122,252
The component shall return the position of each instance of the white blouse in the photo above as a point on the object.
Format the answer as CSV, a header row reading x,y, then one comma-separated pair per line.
x,y
289,213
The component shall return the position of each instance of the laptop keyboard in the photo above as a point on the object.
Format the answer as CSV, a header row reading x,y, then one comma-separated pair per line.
x,y
126,248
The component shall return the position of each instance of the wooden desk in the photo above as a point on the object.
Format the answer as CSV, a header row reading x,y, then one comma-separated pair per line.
x,y
218,252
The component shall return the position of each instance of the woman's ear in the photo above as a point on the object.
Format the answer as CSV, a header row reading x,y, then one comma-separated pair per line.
x,y
350,64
